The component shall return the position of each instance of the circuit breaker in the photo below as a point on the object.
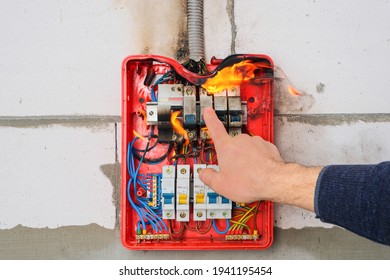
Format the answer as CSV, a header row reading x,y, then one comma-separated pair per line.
x,y
166,144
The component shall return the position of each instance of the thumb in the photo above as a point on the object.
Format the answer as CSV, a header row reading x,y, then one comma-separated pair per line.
x,y
209,177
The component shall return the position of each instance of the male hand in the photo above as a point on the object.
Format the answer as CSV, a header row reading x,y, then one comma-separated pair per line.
x,y
252,169
245,163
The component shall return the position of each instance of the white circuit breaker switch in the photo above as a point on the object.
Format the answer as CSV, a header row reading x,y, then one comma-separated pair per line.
x,y
212,200
221,106
225,208
218,207
235,111
234,91
206,101
235,114
171,94
183,193
189,106
244,110
168,192
199,196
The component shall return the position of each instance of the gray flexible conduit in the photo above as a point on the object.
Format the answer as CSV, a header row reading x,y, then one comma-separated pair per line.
x,y
195,29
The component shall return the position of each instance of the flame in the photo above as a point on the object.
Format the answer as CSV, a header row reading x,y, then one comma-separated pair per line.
x,y
177,127
233,75
293,91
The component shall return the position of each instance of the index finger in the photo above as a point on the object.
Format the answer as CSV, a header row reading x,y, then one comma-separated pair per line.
x,y
216,128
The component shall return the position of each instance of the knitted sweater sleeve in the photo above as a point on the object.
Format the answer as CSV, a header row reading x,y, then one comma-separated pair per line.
x,y
356,197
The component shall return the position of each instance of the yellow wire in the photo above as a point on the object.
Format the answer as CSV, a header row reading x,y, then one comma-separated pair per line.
x,y
140,136
244,222
247,213
238,224
244,225
242,219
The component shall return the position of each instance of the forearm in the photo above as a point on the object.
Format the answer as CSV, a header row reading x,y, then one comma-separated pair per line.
x,y
295,184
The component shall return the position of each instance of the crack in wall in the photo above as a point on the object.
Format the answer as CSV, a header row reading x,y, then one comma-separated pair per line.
x,y
116,142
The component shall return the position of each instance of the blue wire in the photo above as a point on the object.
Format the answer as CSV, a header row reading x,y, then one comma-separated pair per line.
x,y
156,216
133,179
163,78
221,232
142,209
133,205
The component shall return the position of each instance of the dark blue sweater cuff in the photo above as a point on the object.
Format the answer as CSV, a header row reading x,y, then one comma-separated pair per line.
x,y
356,197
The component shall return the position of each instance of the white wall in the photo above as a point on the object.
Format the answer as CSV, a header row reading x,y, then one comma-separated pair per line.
x,y
63,58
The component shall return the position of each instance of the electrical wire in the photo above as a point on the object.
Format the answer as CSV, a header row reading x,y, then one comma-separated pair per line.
x,y
145,213
132,180
187,226
176,235
163,78
219,231
255,216
198,227
154,160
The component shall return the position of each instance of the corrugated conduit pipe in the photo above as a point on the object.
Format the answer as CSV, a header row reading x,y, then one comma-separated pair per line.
x,y
195,29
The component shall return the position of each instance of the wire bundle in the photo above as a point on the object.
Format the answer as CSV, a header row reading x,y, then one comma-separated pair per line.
x,y
241,219
147,215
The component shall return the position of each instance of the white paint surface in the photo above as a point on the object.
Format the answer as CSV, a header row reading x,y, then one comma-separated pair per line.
x,y
344,45
64,58
217,29
51,177
286,216
314,145
337,144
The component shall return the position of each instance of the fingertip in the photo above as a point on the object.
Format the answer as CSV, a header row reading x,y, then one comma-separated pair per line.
x,y
208,110
207,176
209,115
215,127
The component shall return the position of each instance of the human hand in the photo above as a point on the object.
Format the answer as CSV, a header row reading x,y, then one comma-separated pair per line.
x,y
252,169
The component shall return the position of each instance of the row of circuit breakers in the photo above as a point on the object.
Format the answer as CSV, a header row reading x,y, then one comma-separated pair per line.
x,y
175,97
177,192
177,185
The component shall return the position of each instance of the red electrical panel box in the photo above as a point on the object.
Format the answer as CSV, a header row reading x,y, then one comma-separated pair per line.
x,y
165,144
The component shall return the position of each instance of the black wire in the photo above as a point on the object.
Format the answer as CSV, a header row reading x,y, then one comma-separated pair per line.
x,y
150,148
153,160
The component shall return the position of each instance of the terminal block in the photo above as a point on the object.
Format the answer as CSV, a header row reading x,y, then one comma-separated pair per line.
x,y
153,192
183,193
168,193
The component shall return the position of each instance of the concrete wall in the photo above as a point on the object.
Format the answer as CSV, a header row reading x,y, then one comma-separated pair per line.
x,y
60,111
